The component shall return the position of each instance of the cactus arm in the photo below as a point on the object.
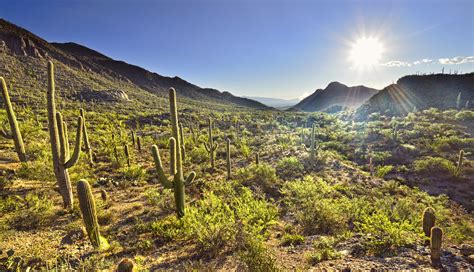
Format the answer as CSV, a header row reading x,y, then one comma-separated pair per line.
x,y
172,156
66,139
175,131
77,148
190,178
208,149
62,138
159,168
87,145
6,134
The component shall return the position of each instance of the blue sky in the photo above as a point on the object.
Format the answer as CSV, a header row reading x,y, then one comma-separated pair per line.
x,y
282,49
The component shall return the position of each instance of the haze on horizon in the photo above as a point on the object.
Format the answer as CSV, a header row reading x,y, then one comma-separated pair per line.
x,y
279,49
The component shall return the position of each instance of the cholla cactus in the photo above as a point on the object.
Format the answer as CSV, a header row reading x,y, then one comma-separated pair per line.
x,y
435,246
210,146
15,133
177,182
60,143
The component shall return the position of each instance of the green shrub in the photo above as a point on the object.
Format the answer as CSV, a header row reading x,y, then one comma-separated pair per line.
x,y
290,167
382,171
323,251
434,165
261,176
292,239
199,154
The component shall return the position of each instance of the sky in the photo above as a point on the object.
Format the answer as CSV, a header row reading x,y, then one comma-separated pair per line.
x,y
279,48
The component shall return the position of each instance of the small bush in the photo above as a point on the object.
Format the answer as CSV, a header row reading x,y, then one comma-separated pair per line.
x,y
289,168
292,239
434,165
261,176
323,251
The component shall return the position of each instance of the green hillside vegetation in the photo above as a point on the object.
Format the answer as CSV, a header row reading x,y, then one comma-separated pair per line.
x,y
344,194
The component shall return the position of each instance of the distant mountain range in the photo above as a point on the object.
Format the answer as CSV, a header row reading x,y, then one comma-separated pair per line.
x,y
335,96
275,102
419,92
26,46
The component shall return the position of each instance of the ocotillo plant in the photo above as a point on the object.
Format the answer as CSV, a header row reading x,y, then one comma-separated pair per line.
x,y
87,146
182,148
210,146
14,133
435,245
177,182
227,145
459,164
89,214
429,220
59,143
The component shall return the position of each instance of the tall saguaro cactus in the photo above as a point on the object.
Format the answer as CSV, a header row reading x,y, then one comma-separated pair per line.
x,y
15,133
177,181
435,245
429,221
210,146
460,162
87,145
59,143
227,145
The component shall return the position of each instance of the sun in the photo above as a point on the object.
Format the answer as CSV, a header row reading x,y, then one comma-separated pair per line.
x,y
366,52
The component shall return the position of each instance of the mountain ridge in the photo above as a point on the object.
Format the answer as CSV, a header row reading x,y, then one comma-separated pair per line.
x,y
23,43
334,95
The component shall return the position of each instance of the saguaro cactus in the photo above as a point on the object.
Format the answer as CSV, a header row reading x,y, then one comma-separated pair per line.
x,y
14,133
460,161
59,143
177,181
87,146
435,245
429,220
127,154
257,158
210,146
89,215
133,138
139,143
227,145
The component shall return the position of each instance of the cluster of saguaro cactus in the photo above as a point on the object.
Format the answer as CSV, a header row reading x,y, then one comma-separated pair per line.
x,y
87,145
89,214
227,145
177,181
429,221
210,146
60,143
14,133
459,163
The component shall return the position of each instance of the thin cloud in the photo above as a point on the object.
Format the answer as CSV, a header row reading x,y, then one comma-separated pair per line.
x,y
422,61
446,61
456,60
396,63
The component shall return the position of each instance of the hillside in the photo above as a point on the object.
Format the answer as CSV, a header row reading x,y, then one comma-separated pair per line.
x,y
335,94
24,46
419,92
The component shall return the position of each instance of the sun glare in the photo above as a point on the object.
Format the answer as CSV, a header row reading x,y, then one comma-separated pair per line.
x,y
366,52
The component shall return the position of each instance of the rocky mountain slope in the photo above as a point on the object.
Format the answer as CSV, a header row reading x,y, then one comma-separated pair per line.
x,y
335,95
275,102
418,92
28,48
